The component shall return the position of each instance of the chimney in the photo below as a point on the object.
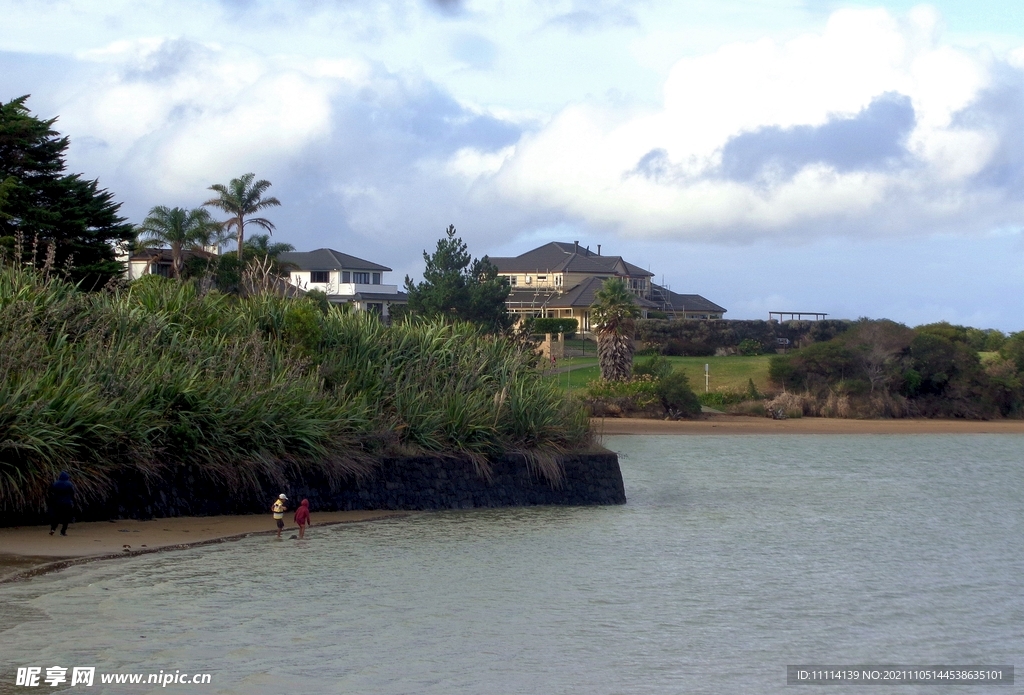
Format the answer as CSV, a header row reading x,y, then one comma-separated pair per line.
x,y
576,247
598,249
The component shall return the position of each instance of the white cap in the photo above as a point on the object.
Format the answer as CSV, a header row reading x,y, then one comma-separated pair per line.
x,y
282,496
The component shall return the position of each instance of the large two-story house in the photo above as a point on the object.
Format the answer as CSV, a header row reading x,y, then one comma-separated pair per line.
x,y
344,279
559,280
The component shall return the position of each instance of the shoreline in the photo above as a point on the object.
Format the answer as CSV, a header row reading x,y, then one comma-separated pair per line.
x,y
742,424
29,551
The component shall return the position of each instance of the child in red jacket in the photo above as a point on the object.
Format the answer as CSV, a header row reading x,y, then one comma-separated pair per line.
x,y
302,518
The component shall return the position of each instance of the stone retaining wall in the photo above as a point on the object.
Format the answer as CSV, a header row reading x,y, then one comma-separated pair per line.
x,y
398,483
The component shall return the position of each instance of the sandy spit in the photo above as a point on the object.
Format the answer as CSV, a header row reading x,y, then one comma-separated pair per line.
x,y
30,550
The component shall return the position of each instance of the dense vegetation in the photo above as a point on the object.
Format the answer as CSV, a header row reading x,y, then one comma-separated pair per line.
x,y
704,338
885,369
158,375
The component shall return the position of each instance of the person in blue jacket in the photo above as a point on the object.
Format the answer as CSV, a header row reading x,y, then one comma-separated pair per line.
x,y
62,503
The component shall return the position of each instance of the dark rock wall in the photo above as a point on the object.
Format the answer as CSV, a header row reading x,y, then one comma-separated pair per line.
x,y
406,483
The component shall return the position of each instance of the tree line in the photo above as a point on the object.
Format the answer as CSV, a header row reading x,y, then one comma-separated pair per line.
x,y
886,369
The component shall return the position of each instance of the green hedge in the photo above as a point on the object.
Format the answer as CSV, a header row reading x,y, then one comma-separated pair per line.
x,y
554,326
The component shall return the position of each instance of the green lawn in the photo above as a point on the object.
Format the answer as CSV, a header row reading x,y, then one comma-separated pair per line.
x,y
727,373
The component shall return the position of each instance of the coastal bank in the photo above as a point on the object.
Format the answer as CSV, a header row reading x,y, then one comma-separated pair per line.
x,y
395,483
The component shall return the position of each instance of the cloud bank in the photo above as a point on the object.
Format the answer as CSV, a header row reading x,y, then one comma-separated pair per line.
x,y
380,123
871,127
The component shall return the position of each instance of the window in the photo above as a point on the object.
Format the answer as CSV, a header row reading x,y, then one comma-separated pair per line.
x,y
322,276
558,281
361,278
512,280
346,276
375,308
376,278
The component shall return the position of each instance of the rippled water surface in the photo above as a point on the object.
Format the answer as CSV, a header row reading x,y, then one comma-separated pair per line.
x,y
734,557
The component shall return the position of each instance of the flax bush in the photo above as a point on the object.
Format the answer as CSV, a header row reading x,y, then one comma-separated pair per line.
x,y
157,376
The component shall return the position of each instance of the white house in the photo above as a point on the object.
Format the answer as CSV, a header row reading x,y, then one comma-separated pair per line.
x,y
344,279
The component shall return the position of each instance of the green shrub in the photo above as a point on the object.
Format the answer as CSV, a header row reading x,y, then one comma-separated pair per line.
x,y
749,347
555,326
671,386
677,397
319,300
641,391
720,399
658,367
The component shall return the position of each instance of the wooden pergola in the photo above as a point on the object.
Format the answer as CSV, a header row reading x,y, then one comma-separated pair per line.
x,y
796,315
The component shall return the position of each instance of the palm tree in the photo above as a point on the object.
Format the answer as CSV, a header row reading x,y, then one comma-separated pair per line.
x,y
241,198
613,315
180,229
261,246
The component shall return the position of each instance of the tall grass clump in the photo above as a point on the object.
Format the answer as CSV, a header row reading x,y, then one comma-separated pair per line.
x,y
158,377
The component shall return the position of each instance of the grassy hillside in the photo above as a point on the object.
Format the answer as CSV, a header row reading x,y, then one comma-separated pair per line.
x,y
157,377
727,373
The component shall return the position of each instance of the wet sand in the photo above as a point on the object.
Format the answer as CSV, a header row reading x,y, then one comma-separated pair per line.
x,y
30,550
738,424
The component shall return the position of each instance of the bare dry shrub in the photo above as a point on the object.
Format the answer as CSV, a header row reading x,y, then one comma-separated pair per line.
x,y
752,408
835,405
788,403
885,404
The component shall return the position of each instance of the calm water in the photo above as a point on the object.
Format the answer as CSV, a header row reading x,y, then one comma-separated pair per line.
x,y
734,557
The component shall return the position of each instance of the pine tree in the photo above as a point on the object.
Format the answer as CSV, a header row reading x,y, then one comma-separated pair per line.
x,y
458,287
44,204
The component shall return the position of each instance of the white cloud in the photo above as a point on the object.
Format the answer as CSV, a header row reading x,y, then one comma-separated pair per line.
x,y
588,161
185,112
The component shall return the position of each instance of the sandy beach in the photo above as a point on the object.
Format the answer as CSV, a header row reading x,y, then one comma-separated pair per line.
x,y
29,550
735,424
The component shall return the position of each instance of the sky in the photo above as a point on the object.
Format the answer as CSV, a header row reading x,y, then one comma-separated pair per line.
x,y
861,159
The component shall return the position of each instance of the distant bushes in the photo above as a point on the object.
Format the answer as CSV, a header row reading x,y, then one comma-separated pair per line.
x,y
885,369
705,338
159,376
655,390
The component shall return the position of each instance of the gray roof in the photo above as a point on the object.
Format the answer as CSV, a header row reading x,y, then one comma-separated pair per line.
x,y
688,302
581,295
559,256
382,297
327,259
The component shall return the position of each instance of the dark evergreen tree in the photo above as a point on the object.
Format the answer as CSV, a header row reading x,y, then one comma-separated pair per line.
x,y
458,287
41,202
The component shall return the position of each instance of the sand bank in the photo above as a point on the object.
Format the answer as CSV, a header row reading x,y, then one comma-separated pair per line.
x,y
30,550
735,424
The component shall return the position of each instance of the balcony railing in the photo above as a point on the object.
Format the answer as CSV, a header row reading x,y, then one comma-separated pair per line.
x,y
348,289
